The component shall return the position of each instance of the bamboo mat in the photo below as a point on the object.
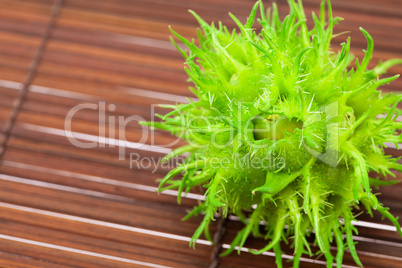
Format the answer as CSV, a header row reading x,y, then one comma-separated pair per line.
x,y
63,206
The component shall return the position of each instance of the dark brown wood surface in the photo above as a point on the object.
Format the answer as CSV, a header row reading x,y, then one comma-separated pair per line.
x,y
63,206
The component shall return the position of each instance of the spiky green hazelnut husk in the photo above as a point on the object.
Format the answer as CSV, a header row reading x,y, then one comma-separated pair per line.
x,y
284,130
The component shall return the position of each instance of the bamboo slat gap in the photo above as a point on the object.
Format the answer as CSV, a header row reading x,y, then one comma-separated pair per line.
x,y
30,76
